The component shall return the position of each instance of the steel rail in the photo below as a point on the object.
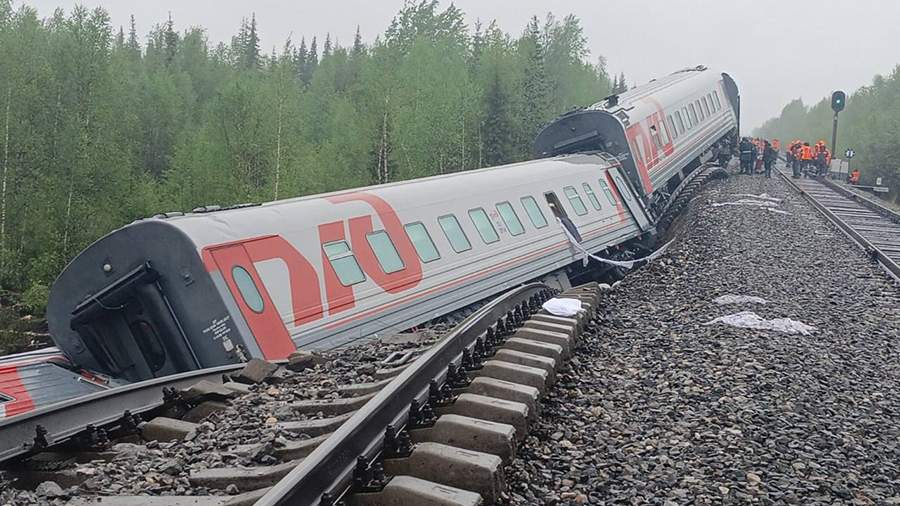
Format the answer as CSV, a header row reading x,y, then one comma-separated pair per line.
x,y
57,423
889,264
329,469
863,200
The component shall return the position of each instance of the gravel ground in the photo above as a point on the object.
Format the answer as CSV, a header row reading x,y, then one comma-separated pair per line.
x,y
659,408
242,435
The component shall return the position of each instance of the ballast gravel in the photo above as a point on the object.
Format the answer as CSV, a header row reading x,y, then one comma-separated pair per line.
x,y
658,408
246,433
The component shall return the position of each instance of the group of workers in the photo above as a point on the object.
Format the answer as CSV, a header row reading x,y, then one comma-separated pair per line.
x,y
758,154
808,160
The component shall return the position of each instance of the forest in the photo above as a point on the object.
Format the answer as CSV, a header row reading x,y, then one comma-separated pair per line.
x,y
100,125
870,124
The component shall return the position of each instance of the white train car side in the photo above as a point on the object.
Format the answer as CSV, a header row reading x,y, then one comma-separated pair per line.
x,y
659,131
198,290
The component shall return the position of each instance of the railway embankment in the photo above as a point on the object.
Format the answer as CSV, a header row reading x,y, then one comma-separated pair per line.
x,y
669,403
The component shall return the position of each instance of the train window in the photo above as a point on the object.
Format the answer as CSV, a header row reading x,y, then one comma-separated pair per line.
x,y
654,134
534,212
421,240
663,134
607,191
700,110
456,236
483,225
344,263
555,205
671,123
679,122
706,107
716,98
247,287
591,196
693,114
385,252
510,218
575,200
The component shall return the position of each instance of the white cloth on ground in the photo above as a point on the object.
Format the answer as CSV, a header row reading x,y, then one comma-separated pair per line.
x,y
751,320
563,307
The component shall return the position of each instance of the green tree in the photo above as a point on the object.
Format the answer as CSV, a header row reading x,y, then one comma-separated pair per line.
x,y
98,129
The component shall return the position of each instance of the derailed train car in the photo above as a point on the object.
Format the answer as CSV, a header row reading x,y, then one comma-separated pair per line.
x,y
660,131
183,291
179,292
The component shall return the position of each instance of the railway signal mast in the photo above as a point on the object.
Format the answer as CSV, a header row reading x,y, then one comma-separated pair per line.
x,y
838,101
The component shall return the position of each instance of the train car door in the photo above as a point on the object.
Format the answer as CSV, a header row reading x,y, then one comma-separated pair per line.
x,y
130,330
627,195
254,301
560,213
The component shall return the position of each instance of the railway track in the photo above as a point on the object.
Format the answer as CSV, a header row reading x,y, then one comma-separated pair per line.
x,y
874,227
434,429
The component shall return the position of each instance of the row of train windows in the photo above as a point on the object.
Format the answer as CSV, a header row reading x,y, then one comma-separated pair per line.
x,y
693,114
348,271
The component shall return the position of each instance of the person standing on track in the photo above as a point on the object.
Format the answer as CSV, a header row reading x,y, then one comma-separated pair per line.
x,y
755,158
806,158
795,158
746,155
769,157
822,160
789,155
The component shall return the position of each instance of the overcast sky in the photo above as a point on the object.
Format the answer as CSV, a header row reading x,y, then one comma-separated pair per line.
x,y
777,50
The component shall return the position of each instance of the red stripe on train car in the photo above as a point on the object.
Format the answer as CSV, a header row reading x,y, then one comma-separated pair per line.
x,y
12,386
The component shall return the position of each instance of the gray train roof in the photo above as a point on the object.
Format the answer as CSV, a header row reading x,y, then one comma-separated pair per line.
x,y
234,224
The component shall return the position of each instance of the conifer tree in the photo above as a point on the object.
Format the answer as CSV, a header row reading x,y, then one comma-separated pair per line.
x,y
497,129
312,59
251,46
300,62
170,39
535,92
358,47
623,85
133,46
326,50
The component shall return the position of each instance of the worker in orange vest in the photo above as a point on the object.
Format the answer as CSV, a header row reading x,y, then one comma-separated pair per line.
x,y
806,157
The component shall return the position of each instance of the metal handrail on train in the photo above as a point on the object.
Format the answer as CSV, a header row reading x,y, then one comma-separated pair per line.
x,y
892,267
328,471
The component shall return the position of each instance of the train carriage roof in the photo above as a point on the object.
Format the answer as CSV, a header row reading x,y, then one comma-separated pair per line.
x,y
225,225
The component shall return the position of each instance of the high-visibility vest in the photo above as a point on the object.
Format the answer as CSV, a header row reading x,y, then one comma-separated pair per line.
x,y
806,153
